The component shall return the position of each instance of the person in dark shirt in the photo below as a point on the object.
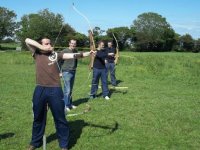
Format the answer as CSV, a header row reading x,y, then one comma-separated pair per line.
x,y
110,63
68,68
99,71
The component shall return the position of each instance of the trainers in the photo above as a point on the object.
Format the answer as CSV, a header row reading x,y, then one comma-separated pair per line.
x,y
73,107
67,109
106,97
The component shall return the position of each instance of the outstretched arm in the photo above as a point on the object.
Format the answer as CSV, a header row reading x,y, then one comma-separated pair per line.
x,y
111,54
76,55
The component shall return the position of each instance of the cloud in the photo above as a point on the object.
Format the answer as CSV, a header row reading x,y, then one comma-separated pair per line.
x,y
192,28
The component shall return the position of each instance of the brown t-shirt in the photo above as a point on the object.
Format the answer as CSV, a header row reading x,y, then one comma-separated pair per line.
x,y
47,72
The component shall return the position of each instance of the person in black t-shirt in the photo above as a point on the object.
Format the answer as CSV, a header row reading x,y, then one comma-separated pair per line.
x,y
99,71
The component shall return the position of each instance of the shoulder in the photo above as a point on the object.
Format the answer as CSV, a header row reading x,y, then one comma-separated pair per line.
x,y
75,51
60,55
66,50
36,52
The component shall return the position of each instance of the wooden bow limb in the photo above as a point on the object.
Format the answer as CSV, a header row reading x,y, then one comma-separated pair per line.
x,y
117,50
93,48
88,109
92,43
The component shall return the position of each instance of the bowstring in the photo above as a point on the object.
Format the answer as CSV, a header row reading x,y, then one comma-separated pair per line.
x,y
91,29
59,68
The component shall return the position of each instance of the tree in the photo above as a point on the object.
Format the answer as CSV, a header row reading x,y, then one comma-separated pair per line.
x,y
123,34
197,45
98,35
97,31
44,23
7,23
187,42
82,39
153,33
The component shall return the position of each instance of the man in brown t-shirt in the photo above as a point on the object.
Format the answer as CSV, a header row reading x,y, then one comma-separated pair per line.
x,y
48,90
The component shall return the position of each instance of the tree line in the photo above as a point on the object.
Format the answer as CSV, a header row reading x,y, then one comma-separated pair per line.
x,y
148,32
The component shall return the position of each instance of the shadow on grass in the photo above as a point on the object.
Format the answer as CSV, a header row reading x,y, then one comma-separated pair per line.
x,y
6,135
76,128
118,91
51,137
80,101
117,81
112,90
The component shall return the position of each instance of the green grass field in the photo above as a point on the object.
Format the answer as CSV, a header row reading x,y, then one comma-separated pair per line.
x,y
159,110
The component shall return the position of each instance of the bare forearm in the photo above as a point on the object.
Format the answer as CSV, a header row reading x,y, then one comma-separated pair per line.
x,y
81,55
68,56
33,44
111,54
75,55
86,54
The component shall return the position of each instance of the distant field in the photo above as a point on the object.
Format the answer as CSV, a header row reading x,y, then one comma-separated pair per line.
x,y
159,110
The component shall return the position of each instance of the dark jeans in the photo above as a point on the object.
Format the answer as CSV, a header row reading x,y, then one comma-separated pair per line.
x,y
110,67
97,73
53,96
68,78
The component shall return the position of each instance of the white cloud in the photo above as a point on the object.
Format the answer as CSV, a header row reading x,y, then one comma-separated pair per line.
x,y
192,28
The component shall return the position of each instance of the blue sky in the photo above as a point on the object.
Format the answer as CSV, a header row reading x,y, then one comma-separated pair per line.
x,y
183,15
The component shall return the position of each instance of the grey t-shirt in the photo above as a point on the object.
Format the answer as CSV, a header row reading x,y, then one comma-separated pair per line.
x,y
68,64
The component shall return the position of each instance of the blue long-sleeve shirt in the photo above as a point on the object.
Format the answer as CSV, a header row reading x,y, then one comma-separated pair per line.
x,y
99,61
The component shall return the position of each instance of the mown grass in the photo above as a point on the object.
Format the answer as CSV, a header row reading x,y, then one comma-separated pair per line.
x,y
159,110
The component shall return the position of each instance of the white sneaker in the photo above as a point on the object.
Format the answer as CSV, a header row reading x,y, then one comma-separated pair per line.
x,y
107,98
67,109
74,107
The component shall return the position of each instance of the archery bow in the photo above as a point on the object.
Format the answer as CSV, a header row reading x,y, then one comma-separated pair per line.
x,y
92,47
92,43
117,50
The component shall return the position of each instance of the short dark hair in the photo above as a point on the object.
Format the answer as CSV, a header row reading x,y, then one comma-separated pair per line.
x,y
100,42
39,40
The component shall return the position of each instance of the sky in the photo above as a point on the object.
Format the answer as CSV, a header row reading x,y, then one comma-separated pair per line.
x,y
182,15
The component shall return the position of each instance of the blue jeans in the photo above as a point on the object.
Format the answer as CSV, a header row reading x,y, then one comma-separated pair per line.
x,y
110,67
68,78
97,73
53,96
